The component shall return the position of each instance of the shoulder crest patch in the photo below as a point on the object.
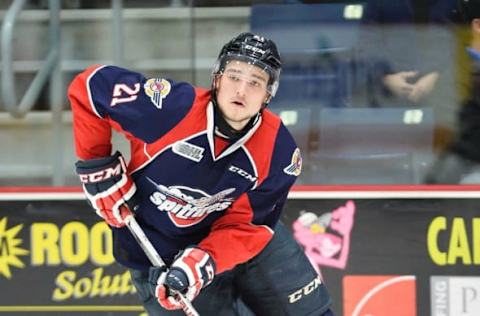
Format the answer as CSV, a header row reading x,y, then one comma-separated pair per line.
x,y
157,89
295,167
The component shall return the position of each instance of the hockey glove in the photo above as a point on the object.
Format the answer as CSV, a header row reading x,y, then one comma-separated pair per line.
x,y
108,187
190,272
156,277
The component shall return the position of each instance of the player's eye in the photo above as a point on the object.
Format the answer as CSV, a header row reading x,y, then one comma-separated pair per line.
x,y
233,77
254,83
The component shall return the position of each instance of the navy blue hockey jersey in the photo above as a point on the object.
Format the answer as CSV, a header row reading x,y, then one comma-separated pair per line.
x,y
191,193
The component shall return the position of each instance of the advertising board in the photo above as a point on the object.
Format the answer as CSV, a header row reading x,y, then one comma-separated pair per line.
x,y
380,251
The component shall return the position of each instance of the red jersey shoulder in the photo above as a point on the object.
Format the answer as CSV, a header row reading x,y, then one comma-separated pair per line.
x,y
272,147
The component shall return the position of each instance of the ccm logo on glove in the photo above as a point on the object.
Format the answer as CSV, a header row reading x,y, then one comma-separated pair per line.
x,y
108,187
101,175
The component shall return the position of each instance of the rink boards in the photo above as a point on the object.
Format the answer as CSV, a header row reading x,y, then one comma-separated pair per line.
x,y
382,250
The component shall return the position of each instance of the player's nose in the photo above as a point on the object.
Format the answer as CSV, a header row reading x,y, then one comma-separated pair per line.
x,y
242,88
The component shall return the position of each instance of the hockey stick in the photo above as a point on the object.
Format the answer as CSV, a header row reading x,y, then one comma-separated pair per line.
x,y
156,260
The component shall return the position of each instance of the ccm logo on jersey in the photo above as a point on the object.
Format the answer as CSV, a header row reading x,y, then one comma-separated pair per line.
x,y
101,175
304,291
242,173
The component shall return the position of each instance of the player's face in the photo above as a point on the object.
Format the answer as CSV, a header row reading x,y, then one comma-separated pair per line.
x,y
241,92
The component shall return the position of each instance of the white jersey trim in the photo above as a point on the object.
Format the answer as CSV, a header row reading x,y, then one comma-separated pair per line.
x,y
90,99
239,143
152,157
254,166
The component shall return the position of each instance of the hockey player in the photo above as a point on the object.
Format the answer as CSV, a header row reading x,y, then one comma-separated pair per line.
x,y
208,176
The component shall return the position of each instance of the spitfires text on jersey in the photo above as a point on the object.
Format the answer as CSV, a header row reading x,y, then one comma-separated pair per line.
x,y
187,206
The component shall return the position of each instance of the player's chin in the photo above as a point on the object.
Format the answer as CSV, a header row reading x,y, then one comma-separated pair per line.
x,y
236,114
237,121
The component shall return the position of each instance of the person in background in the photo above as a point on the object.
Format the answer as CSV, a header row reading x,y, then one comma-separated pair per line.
x,y
402,69
208,177
460,162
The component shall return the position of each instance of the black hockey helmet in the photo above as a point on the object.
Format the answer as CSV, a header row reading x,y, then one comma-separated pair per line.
x,y
467,10
255,50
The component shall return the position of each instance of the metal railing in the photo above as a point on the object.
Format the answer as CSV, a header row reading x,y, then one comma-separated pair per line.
x,y
49,71
9,97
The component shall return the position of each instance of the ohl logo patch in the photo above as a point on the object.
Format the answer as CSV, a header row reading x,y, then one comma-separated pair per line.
x,y
157,89
10,248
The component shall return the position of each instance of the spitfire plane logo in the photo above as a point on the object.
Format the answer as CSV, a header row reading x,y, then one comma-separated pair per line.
x,y
186,206
295,167
157,89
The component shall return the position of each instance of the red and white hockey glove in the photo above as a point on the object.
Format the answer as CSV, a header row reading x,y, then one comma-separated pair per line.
x,y
190,272
108,187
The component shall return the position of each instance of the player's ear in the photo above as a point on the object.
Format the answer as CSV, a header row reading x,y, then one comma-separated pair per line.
x,y
268,98
216,82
